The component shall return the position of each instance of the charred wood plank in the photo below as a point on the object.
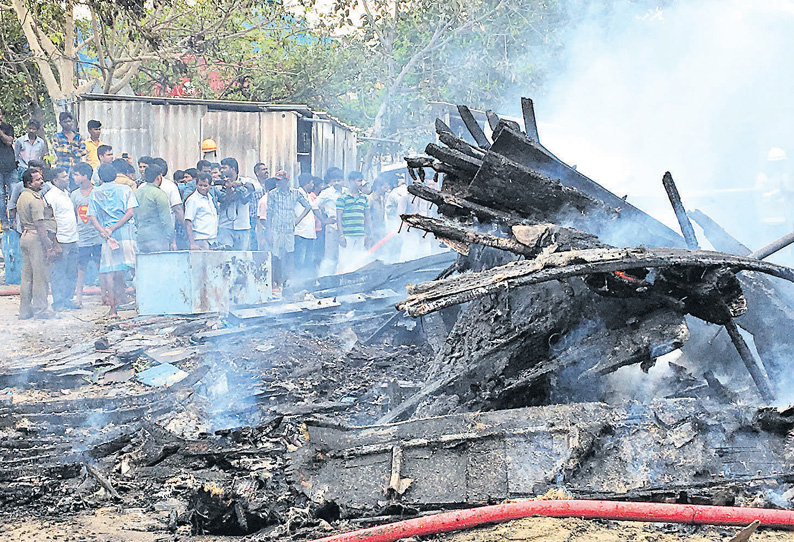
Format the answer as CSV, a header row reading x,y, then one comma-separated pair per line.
x,y
758,376
441,228
519,148
102,481
774,246
442,128
717,236
454,142
493,119
458,206
429,297
656,334
530,124
495,122
503,184
680,212
473,127
529,240
456,159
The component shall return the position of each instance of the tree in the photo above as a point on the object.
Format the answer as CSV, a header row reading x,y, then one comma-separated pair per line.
x,y
23,91
428,50
74,43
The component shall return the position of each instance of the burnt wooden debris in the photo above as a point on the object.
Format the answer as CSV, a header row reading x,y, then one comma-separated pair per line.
x,y
610,287
512,364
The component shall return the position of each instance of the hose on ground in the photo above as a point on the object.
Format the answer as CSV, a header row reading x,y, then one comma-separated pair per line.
x,y
612,510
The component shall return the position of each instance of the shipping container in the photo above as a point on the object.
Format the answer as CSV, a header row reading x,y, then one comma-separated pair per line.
x,y
284,137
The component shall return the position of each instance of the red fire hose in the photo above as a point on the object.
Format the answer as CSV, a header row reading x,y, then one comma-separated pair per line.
x,y
382,242
619,511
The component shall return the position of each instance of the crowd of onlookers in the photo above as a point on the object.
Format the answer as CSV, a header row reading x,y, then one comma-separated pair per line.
x,y
97,206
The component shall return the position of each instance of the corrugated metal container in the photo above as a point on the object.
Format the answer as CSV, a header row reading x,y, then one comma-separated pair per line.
x,y
251,132
278,146
126,125
176,134
237,134
332,146
192,282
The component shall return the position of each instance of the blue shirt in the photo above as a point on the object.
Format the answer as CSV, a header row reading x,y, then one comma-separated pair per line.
x,y
109,202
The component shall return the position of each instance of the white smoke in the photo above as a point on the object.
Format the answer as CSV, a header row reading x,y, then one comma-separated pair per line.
x,y
700,88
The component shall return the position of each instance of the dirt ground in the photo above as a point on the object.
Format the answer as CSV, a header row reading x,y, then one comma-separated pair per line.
x,y
579,530
119,523
110,525
26,337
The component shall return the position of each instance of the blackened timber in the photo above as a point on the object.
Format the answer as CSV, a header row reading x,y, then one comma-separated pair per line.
x,y
441,228
454,158
442,128
758,376
429,297
530,125
774,246
542,236
494,121
680,212
460,206
454,142
519,148
474,127
770,303
504,184
716,234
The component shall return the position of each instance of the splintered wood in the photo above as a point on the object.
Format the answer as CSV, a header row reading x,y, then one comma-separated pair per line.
x,y
520,219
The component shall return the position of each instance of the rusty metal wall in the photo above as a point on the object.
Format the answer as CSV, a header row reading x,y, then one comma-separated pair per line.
x,y
176,134
348,143
126,125
278,146
324,148
332,146
237,135
174,130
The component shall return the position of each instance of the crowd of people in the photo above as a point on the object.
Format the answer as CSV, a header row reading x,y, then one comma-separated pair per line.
x,y
94,207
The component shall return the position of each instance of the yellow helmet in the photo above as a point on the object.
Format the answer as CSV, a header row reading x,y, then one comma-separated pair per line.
x,y
776,154
209,145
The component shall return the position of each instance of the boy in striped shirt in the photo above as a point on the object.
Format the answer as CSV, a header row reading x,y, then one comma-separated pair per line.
x,y
352,219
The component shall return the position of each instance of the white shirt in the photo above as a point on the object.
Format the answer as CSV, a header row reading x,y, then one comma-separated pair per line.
x,y
326,202
203,216
305,227
26,151
172,191
64,214
243,219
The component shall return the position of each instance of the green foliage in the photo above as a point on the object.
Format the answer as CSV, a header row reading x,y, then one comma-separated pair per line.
x,y
343,60
20,84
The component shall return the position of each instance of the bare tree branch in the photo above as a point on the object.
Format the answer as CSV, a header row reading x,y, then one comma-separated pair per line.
x,y
383,41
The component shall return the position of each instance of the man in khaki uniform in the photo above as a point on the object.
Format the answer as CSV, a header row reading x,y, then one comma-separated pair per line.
x,y
35,244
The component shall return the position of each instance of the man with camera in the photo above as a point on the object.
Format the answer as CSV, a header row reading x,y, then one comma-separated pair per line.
x,y
234,216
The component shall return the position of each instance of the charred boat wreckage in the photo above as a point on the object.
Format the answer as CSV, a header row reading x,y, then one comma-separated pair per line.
x,y
571,343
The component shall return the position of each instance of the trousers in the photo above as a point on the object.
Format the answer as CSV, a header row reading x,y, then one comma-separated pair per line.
x,y
34,285
63,275
153,245
7,180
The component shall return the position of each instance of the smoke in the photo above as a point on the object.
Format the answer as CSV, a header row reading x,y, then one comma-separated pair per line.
x,y
701,89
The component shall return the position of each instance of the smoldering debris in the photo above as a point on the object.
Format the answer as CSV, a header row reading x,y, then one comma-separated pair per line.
x,y
569,344
547,251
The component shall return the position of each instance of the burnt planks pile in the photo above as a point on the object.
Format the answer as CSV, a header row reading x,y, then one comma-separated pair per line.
x,y
560,282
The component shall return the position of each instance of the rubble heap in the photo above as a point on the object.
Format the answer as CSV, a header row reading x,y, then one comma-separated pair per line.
x,y
516,366
553,299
